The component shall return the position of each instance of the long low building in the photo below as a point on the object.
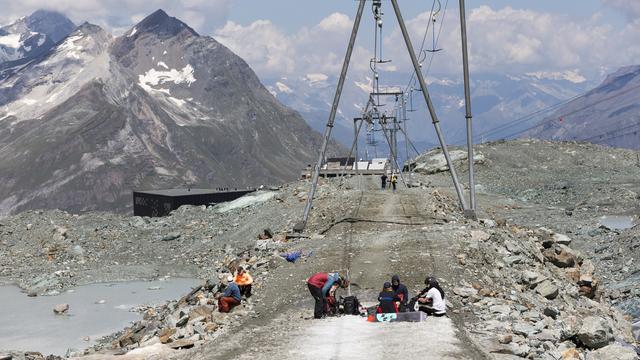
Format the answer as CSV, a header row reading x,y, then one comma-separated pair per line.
x,y
348,166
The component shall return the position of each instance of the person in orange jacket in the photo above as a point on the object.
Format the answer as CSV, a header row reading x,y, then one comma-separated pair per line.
x,y
244,281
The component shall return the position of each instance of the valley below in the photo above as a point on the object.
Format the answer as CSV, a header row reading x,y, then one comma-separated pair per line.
x,y
542,274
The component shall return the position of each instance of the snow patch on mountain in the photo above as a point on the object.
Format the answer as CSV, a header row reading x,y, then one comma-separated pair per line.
x,y
11,40
155,77
366,87
316,78
573,76
283,88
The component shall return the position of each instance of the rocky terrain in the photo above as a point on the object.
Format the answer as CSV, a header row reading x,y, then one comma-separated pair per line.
x,y
524,281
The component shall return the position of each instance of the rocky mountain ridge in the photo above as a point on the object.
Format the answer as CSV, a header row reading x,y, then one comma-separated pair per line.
x,y
31,36
160,106
609,114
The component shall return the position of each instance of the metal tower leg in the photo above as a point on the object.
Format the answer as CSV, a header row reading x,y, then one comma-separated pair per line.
x,y
471,212
427,98
332,116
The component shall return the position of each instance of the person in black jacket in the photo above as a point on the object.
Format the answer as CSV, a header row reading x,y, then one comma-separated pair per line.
x,y
401,291
387,299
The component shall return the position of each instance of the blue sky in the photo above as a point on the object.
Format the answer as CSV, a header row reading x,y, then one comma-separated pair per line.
x,y
576,39
294,14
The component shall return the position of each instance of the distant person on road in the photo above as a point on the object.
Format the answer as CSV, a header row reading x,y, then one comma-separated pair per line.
x,y
230,298
319,285
432,302
387,299
394,181
244,281
383,179
401,291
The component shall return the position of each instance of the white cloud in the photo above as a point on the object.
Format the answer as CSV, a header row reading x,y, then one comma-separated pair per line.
x,y
518,41
116,15
273,53
505,40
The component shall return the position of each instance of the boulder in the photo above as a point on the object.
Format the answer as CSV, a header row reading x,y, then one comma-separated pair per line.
x,y
182,321
165,334
479,235
547,335
500,309
636,330
547,289
505,339
201,311
614,352
561,239
264,245
569,327
551,312
182,344
532,278
586,272
573,274
61,308
524,329
571,354
171,236
434,161
465,291
595,332
560,256
6,356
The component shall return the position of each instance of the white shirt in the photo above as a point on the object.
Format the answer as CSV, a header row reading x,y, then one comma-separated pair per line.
x,y
438,303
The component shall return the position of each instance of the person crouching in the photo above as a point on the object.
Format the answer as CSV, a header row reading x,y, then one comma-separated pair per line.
x,y
244,281
230,298
319,285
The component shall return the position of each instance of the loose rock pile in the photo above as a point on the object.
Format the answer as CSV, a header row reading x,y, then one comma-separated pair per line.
x,y
536,297
194,318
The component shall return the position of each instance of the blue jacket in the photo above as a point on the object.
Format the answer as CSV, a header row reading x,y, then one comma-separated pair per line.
x,y
332,278
233,291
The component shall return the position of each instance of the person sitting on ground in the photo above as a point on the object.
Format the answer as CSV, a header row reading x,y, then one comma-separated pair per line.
x,y
387,299
319,285
433,300
230,298
401,291
244,281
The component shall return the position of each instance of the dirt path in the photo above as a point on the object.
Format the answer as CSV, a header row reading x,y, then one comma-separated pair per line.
x,y
388,233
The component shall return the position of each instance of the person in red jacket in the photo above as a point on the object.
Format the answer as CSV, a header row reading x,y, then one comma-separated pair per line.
x,y
319,285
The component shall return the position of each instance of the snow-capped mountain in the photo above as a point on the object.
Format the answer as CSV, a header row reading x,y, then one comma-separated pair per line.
x,y
609,114
160,106
32,36
497,99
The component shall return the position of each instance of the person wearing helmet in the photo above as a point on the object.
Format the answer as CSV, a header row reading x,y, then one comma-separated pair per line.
x,y
432,300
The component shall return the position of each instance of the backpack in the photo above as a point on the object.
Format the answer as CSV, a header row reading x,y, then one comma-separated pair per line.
x,y
351,305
